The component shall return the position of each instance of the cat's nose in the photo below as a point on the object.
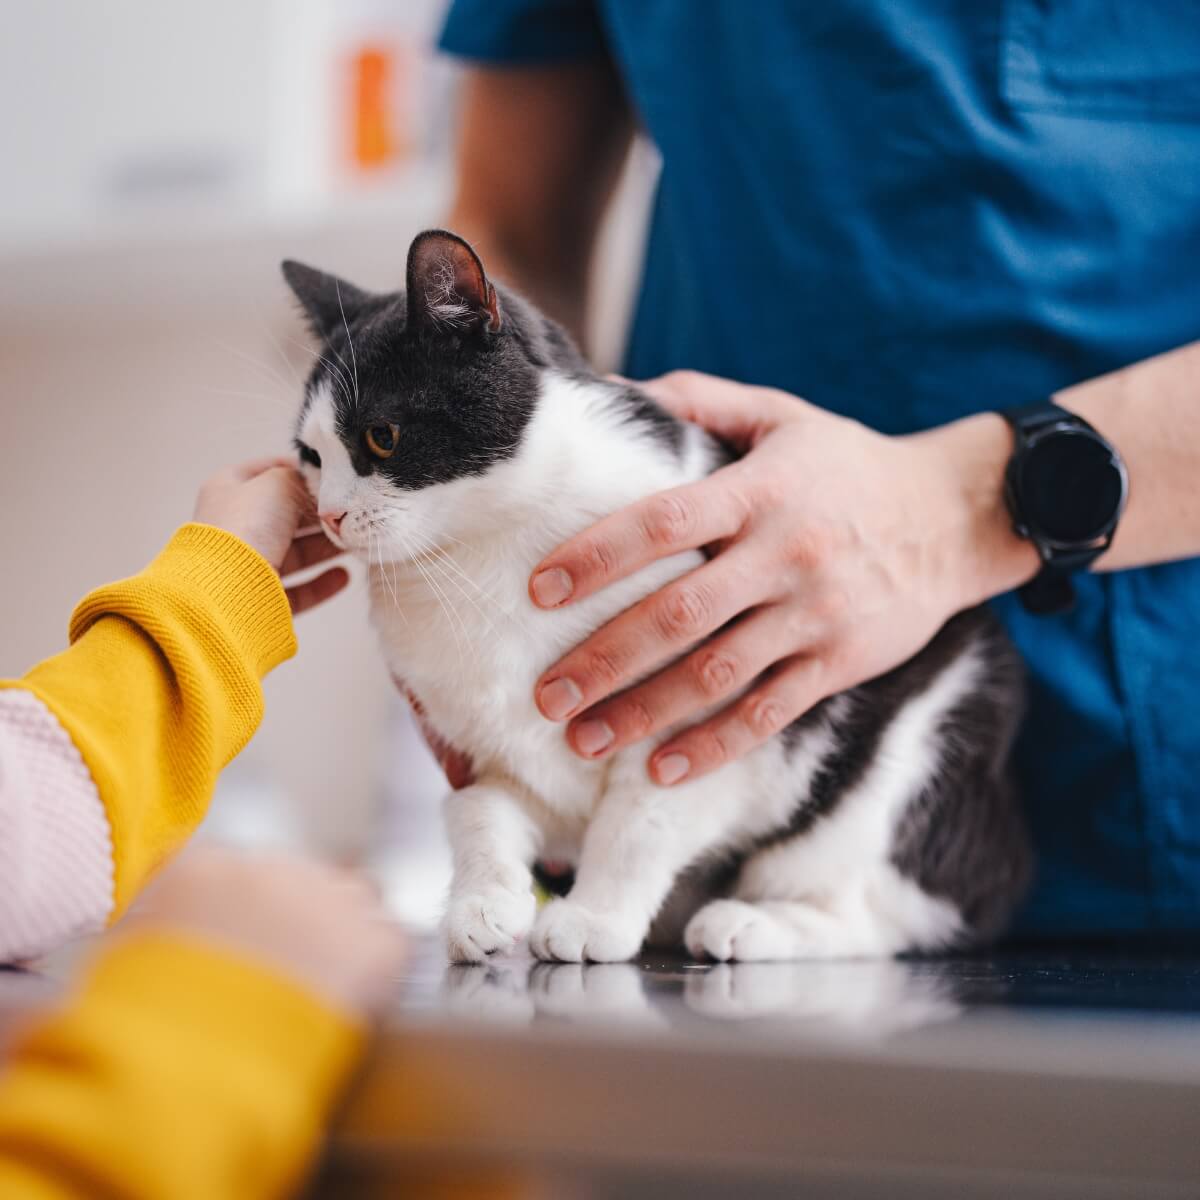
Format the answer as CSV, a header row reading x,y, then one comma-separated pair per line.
x,y
333,521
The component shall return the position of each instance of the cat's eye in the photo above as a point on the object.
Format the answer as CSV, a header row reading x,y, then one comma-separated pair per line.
x,y
382,440
308,455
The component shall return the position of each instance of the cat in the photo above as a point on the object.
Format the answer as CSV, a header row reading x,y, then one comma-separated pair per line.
x,y
453,436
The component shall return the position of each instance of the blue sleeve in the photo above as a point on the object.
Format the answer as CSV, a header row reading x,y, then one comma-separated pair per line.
x,y
513,32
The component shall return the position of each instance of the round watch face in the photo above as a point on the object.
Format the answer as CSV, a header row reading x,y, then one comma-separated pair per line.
x,y
1072,488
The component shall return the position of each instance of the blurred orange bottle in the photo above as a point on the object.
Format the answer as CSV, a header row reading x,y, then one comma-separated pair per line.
x,y
377,139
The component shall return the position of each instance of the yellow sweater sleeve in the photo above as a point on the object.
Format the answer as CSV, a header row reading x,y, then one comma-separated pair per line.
x,y
177,1070
161,687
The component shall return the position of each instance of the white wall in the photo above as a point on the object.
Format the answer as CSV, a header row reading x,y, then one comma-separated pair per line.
x,y
111,106
124,112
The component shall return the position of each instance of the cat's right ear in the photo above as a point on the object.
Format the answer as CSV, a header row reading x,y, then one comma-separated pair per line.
x,y
447,287
329,303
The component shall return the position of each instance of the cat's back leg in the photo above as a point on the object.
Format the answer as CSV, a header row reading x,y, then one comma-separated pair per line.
x,y
909,836
877,915
957,866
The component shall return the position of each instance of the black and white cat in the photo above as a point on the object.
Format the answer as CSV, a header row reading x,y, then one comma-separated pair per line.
x,y
454,437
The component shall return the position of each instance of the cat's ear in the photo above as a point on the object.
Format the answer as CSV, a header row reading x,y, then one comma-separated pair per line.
x,y
329,302
447,287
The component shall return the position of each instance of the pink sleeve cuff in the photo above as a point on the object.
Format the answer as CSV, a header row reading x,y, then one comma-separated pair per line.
x,y
56,862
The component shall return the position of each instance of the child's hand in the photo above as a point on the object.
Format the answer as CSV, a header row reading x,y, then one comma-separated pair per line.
x,y
265,503
321,926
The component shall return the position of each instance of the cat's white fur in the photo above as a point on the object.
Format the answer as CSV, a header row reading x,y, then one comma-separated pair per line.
x,y
457,626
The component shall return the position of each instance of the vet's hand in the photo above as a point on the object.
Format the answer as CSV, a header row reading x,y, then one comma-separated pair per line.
x,y
836,554
266,504
321,926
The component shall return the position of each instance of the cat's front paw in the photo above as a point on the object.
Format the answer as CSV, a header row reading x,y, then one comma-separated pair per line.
x,y
486,921
568,932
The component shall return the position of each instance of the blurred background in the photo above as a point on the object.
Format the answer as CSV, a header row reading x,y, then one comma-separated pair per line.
x,y
159,162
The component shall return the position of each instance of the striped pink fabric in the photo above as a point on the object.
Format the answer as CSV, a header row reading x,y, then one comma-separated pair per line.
x,y
56,863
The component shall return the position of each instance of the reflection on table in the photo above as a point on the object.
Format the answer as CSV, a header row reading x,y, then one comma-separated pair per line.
x,y
868,998
859,999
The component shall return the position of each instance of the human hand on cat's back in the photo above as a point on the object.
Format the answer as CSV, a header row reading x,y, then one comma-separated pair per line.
x,y
835,554
266,504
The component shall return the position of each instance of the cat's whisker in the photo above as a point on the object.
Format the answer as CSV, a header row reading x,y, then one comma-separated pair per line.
x,y
343,380
415,551
449,537
343,374
452,615
346,326
334,369
449,600
389,584
395,586
377,579
434,564
264,368
265,326
447,561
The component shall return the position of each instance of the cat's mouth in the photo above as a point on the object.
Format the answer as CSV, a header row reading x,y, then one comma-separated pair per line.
x,y
359,534
360,545
347,537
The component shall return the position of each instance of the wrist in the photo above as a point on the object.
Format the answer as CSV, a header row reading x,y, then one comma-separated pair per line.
x,y
971,456
204,571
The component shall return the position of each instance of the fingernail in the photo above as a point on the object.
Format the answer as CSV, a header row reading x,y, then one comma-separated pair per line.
x,y
593,736
560,698
671,768
552,587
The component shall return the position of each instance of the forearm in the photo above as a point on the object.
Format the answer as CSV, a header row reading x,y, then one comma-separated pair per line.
x,y
841,552
56,862
161,687
540,151
1150,411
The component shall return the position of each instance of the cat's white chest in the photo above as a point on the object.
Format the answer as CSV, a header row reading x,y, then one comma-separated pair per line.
x,y
477,688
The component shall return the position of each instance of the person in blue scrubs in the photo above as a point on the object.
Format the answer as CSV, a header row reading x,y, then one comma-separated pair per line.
x,y
912,214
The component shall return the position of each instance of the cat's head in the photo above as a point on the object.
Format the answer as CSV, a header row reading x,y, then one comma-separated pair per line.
x,y
416,397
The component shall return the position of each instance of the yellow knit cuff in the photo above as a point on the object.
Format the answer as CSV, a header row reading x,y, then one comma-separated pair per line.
x,y
231,577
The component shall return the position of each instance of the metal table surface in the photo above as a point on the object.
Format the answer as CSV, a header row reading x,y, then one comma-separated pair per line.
x,y
1052,1071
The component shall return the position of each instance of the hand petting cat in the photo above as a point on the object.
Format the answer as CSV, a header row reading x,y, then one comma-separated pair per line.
x,y
265,503
836,554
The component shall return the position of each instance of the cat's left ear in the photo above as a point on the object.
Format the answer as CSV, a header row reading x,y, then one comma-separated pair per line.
x,y
329,303
447,287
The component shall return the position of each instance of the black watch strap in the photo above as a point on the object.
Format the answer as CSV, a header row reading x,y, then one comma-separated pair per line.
x,y
1029,418
1051,589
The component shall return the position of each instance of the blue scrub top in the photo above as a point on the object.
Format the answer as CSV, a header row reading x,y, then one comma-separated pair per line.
x,y
911,211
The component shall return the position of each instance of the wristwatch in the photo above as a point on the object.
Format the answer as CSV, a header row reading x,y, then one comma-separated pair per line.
x,y
1065,487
